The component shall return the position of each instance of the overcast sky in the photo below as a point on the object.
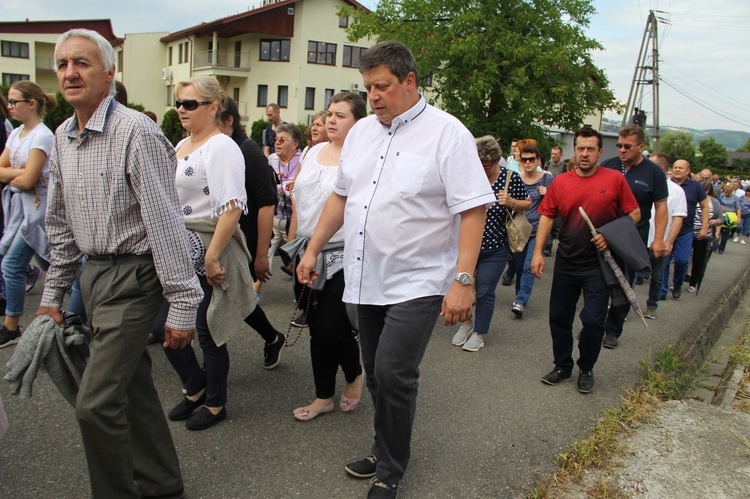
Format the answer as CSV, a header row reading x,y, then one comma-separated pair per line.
x,y
705,62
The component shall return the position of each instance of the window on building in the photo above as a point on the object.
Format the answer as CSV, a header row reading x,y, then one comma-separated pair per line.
x,y
169,56
310,98
237,54
10,78
283,99
184,52
329,93
236,94
15,49
352,56
321,53
179,57
262,95
187,51
119,60
275,50
343,22
170,95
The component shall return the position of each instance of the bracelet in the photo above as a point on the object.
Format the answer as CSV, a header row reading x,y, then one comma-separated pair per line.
x,y
515,203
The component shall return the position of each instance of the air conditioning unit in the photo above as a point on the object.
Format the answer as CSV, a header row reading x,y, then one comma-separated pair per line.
x,y
290,11
355,87
165,73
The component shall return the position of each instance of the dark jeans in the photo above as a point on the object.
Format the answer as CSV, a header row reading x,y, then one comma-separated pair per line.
x,y
393,340
566,289
725,237
681,254
490,265
657,278
332,342
215,370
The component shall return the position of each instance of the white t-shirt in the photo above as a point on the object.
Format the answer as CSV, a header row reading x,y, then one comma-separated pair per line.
x,y
39,137
676,207
211,178
406,187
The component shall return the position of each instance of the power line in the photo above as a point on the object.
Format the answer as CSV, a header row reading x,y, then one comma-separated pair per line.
x,y
705,106
711,89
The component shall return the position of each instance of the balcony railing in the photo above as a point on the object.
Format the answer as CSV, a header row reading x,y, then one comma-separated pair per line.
x,y
45,63
222,59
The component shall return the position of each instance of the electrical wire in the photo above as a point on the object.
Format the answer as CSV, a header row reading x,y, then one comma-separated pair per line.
x,y
712,89
703,105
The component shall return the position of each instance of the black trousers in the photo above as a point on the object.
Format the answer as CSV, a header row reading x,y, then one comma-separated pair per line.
x,y
332,342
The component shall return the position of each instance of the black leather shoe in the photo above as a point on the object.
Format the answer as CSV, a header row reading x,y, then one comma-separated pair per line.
x,y
508,279
555,376
204,419
585,381
676,293
610,341
185,408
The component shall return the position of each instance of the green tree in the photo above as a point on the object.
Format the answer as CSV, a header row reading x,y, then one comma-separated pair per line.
x,y
713,154
63,110
678,145
745,147
137,106
172,127
501,66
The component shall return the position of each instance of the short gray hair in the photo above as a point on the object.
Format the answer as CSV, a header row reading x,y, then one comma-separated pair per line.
x,y
105,49
393,55
293,130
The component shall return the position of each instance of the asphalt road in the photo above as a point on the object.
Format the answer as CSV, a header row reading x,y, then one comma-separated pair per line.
x,y
485,423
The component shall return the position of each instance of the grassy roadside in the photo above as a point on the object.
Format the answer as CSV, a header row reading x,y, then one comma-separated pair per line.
x,y
668,378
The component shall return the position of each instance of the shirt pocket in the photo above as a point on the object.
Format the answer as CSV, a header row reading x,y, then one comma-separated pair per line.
x,y
409,172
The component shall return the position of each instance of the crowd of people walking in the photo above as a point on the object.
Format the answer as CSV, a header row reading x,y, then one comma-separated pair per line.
x,y
383,233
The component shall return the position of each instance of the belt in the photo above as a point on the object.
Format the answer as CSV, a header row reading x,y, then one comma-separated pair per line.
x,y
121,258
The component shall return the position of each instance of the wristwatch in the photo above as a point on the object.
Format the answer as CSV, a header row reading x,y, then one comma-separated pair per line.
x,y
464,279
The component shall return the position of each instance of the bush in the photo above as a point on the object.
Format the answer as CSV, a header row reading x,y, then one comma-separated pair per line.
x,y
62,112
172,127
256,130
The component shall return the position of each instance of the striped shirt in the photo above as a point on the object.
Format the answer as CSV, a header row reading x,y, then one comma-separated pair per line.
x,y
112,192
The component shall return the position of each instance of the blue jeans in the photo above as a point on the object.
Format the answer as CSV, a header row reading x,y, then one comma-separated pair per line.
x,y
566,289
524,278
490,267
657,278
14,264
681,254
744,226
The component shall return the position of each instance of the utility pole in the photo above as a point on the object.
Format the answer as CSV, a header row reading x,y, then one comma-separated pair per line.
x,y
646,74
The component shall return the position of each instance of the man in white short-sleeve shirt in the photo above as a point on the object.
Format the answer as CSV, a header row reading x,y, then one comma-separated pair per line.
x,y
412,196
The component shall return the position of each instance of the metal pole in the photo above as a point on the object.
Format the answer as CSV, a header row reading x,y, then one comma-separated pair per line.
x,y
655,74
634,84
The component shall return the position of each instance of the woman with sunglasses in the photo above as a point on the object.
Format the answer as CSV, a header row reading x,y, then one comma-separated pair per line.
x,y
24,166
536,183
210,181
284,162
494,250
332,344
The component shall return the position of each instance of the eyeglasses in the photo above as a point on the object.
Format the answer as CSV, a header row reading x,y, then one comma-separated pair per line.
x,y
527,159
627,147
280,140
13,102
190,104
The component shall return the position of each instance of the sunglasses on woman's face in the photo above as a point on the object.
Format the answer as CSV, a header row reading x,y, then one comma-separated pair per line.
x,y
190,104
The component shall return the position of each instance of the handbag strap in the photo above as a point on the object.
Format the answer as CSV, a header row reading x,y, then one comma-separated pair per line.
x,y
508,173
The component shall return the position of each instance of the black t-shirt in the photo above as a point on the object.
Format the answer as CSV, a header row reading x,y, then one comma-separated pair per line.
x,y
648,184
260,185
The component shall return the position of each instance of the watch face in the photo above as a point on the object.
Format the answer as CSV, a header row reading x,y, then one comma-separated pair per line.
x,y
464,279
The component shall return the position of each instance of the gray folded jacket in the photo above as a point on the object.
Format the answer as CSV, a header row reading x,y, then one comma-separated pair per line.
x,y
62,352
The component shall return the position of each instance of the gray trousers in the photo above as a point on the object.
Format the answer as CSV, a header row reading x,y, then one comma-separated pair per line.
x,y
393,339
125,435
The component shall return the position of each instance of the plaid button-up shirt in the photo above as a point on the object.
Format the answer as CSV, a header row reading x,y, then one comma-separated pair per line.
x,y
112,192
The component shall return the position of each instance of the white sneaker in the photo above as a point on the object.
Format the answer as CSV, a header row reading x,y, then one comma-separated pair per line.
x,y
463,334
474,343
736,240
742,241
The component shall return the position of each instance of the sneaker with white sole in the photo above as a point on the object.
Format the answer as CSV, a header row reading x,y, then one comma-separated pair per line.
x,y
736,240
474,343
742,241
517,309
463,334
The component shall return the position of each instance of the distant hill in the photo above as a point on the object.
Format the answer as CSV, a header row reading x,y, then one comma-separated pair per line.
x,y
731,139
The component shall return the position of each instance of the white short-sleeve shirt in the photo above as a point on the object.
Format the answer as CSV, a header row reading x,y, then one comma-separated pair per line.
x,y
406,186
676,207
39,137
211,178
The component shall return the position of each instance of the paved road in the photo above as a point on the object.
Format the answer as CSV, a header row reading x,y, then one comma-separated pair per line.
x,y
484,423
